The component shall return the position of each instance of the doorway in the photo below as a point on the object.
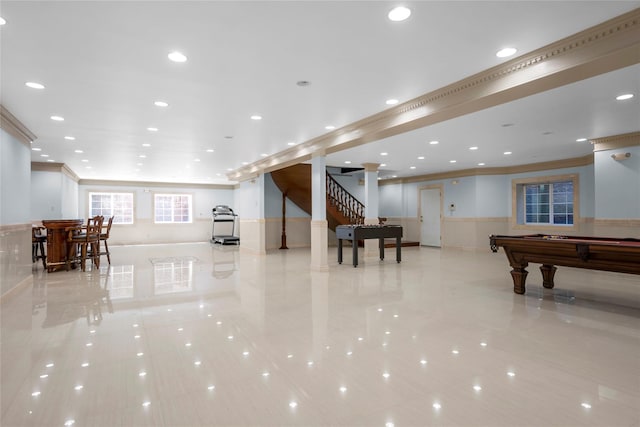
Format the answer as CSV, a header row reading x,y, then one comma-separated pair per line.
x,y
430,216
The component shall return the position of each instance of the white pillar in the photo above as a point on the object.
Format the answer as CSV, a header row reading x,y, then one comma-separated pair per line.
x,y
319,224
371,205
250,201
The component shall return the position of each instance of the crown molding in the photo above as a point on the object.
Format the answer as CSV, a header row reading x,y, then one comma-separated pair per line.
x,y
616,141
611,45
100,182
507,170
12,125
55,167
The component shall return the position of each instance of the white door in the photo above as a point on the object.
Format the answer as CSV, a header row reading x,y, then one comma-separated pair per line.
x,y
430,217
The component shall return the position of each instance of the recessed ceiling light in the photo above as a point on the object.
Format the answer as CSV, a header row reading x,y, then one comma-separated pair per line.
x,y
581,139
36,149
507,51
383,165
624,97
412,167
420,157
480,164
452,161
34,85
152,129
434,142
210,150
291,143
391,101
506,153
399,13
79,151
57,118
256,117
70,138
2,21
146,145
161,104
44,155
177,57
384,154
348,162
85,161
245,163
142,156
264,154
330,127
473,148
50,160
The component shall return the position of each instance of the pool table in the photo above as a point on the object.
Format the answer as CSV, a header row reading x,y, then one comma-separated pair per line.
x,y
596,253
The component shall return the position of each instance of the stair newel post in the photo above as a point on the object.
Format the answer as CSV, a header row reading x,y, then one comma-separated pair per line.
x,y
283,244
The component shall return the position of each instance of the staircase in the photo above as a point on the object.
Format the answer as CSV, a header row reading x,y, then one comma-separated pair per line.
x,y
342,207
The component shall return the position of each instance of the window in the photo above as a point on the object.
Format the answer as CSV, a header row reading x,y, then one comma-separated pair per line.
x,y
118,205
544,202
550,203
172,208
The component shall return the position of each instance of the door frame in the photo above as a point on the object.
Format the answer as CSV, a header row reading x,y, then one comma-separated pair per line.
x,y
431,187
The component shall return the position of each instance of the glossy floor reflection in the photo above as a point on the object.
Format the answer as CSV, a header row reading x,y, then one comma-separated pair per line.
x,y
199,335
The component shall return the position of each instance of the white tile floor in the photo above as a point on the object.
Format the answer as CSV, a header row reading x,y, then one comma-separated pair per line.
x,y
197,335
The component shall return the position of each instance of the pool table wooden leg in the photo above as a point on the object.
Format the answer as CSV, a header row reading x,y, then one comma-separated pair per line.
x,y
519,275
548,271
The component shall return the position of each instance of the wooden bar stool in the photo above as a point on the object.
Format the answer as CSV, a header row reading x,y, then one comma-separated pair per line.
x,y
37,245
81,239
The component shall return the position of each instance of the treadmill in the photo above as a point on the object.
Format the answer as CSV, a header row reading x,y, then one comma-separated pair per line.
x,y
221,214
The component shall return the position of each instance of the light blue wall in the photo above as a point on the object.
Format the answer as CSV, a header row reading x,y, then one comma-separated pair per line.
x,y
54,195
484,195
495,200
391,200
69,189
617,186
249,198
46,195
462,195
15,180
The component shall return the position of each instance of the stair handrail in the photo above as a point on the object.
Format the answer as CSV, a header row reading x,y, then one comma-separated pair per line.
x,y
344,201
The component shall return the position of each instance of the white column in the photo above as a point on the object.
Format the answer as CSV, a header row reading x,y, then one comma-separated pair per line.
x,y
319,224
371,205
250,201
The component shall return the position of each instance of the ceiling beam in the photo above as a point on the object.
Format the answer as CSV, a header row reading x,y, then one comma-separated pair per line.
x,y
609,46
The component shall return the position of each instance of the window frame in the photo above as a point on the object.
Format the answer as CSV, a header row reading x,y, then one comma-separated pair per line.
x,y
518,208
112,193
173,195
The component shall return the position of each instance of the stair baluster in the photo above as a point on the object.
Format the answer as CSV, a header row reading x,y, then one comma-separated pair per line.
x,y
344,202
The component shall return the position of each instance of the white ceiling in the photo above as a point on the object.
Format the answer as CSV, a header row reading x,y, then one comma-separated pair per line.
x,y
105,63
